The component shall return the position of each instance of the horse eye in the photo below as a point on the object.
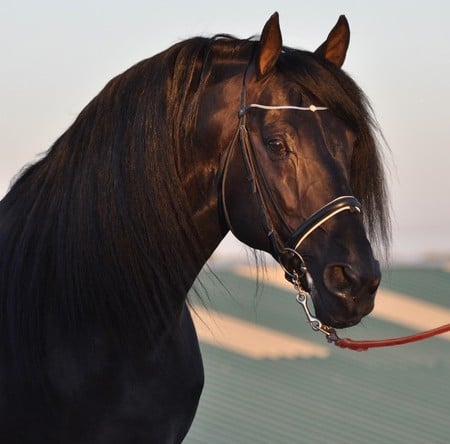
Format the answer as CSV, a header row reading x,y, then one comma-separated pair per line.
x,y
277,146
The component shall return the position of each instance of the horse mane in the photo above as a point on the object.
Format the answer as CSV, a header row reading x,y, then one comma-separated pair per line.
x,y
100,228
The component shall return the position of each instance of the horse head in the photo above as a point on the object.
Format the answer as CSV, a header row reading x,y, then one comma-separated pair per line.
x,y
303,141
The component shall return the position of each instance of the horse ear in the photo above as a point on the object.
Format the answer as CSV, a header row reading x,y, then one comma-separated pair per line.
x,y
269,47
335,47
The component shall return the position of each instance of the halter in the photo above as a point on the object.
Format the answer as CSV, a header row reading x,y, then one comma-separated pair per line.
x,y
288,254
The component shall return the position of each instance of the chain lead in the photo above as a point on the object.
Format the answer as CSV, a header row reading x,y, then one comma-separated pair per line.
x,y
316,324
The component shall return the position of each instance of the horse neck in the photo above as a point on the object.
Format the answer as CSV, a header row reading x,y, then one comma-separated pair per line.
x,y
202,160
201,187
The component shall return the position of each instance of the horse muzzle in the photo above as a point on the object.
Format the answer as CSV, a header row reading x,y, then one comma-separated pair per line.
x,y
348,295
342,293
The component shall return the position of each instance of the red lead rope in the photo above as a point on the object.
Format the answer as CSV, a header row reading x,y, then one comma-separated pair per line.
x,y
365,345
332,337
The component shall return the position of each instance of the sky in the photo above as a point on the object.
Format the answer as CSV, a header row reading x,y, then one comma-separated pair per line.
x,y
55,56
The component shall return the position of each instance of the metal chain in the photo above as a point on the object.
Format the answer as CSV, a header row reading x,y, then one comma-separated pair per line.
x,y
316,324
332,337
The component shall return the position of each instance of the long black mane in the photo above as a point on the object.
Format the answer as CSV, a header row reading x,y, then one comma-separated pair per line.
x,y
100,228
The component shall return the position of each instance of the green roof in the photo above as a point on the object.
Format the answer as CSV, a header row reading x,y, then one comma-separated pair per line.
x,y
393,395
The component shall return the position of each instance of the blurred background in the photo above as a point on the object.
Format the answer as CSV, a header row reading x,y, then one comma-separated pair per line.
x,y
269,378
55,56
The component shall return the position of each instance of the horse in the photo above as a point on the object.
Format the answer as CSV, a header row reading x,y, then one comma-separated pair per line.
x,y
102,237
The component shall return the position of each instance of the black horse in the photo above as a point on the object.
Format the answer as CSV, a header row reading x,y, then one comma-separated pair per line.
x,y
102,238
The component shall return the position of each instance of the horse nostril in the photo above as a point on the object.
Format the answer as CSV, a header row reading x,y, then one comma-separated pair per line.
x,y
339,279
342,280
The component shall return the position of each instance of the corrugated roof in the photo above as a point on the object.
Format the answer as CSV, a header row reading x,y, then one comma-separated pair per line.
x,y
394,395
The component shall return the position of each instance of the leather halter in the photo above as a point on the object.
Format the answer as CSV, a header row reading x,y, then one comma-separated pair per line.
x,y
289,256
287,253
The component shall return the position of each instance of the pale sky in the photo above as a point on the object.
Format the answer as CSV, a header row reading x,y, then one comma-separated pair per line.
x,y
55,56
